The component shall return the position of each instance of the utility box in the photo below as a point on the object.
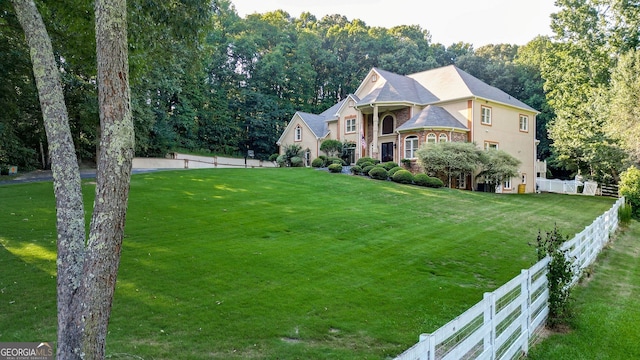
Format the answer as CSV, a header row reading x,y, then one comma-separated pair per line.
x,y
13,170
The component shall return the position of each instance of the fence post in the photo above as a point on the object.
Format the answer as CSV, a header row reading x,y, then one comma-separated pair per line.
x,y
525,289
489,314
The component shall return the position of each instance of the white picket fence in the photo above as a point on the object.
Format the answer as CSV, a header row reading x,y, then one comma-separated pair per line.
x,y
504,322
566,186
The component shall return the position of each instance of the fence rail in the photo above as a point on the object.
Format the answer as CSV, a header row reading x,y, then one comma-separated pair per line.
x,y
503,323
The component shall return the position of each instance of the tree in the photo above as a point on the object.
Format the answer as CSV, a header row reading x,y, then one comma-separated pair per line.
x,y
331,147
498,166
630,189
449,159
86,272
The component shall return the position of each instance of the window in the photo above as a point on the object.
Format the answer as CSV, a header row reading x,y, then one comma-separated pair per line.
x,y
298,133
387,125
462,181
524,178
488,145
524,123
507,184
374,78
410,147
443,138
350,126
486,115
431,138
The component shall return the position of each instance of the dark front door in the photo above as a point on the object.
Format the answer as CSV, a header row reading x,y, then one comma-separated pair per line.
x,y
387,152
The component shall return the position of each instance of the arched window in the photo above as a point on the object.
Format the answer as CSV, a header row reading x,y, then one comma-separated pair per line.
x,y
298,133
443,138
387,125
410,147
431,138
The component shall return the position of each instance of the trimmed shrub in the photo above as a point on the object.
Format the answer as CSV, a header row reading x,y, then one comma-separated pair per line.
x,y
296,161
367,163
394,170
273,157
335,160
323,157
317,163
335,168
363,160
281,160
434,182
366,169
403,177
389,165
421,179
356,170
378,173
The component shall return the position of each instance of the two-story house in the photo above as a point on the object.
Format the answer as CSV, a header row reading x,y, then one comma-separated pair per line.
x,y
390,116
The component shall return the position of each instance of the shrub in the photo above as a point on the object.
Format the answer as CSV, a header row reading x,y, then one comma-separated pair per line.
x,y
367,163
378,173
434,182
421,179
366,169
389,165
317,163
296,161
273,157
363,160
282,160
356,170
403,177
394,170
560,274
335,160
335,168
625,213
630,189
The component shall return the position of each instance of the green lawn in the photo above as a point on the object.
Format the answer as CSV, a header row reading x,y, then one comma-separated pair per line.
x,y
281,263
605,325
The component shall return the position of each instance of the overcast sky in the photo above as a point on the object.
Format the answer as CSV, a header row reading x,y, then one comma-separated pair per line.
x,y
479,22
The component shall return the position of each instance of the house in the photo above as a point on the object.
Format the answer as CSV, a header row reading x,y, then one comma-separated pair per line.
x,y
390,116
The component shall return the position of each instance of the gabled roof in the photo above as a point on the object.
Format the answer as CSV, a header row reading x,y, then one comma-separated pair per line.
x,y
398,88
450,83
433,117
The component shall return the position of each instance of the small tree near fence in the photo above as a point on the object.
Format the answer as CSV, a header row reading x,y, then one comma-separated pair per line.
x,y
560,274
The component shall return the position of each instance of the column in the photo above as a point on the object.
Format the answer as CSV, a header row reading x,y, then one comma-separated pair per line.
x,y
375,153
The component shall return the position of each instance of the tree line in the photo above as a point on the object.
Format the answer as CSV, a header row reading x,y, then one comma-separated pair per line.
x,y
205,80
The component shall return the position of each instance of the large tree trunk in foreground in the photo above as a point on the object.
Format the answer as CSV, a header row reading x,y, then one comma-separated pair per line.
x,y
66,177
86,273
113,176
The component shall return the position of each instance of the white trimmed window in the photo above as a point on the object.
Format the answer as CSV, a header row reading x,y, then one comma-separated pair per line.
x,y
298,133
488,145
410,147
443,138
524,123
486,115
507,184
431,138
350,125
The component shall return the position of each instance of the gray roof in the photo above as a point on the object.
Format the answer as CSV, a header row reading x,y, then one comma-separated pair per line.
x,y
317,123
398,88
450,82
432,117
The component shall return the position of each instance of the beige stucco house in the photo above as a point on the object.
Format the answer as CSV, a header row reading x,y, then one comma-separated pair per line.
x,y
390,116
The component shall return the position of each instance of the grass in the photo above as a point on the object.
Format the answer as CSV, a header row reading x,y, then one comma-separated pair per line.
x,y
606,312
281,263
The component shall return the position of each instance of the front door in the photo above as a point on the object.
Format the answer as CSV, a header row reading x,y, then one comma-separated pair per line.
x,y
387,152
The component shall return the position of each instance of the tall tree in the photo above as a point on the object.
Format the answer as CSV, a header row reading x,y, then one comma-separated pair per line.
x,y
86,272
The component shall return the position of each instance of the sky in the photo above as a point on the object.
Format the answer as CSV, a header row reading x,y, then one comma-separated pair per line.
x,y
479,22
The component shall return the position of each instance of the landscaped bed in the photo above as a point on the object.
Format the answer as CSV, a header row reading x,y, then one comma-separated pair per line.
x,y
281,263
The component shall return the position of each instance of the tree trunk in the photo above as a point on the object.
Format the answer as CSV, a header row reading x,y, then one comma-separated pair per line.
x,y
113,174
86,272
66,178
